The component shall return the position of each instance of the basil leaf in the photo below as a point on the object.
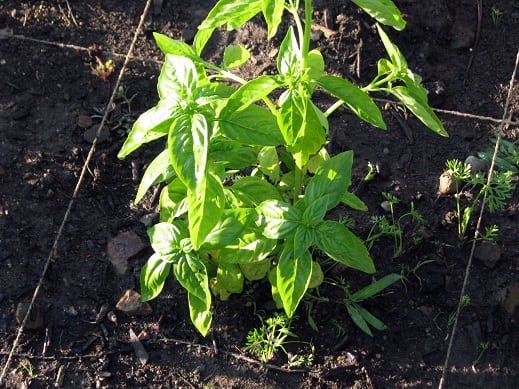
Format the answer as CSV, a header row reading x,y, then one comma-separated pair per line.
x,y
273,13
159,170
235,55
153,276
383,11
278,219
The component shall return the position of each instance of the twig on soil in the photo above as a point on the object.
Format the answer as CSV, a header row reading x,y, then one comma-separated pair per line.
x,y
478,225
74,195
476,41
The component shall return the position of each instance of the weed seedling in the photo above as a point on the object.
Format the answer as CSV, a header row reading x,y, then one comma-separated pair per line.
x,y
496,14
497,192
465,302
384,227
28,369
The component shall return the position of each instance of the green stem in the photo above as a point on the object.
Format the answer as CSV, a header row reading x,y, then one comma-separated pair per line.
x,y
305,45
298,182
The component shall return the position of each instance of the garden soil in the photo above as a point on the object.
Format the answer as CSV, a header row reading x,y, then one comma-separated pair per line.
x,y
50,107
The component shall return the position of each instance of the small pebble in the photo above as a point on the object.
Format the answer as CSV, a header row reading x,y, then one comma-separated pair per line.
x,y
476,164
447,184
385,205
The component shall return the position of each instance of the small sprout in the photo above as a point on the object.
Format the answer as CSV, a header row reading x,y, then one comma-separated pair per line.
x,y
103,70
497,14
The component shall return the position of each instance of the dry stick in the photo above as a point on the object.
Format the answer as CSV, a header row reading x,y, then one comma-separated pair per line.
x,y
74,195
478,226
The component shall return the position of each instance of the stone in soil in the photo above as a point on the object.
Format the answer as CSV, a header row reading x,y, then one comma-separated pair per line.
x,y
121,248
488,253
130,303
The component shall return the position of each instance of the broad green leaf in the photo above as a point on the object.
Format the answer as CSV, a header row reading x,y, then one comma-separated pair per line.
x,y
268,163
205,208
251,247
372,320
353,201
153,276
317,277
232,154
278,219
420,109
353,311
304,237
255,271
172,46
201,38
273,13
384,11
293,277
316,210
159,170
300,126
235,55
173,201
342,245
234,13
384,66
395,55
200,312
289,56
166,238
151,125
181,153
201,135
356,99
252,191
374,288
317,160
316,64
230,277
191,273
275,293
252,126
178,78
230,226
332,178
249,93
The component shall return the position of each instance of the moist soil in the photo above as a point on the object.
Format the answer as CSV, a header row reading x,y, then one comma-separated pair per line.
x,y
50,104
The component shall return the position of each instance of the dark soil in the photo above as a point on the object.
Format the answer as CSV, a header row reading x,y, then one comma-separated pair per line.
x,y
47,97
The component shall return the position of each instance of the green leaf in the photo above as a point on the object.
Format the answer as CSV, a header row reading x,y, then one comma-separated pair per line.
x,y
316,64
159,170
395,55
206,205
230,277
249,93
166,238
173,201
172,46
353,201
273,13
374,288
234,13
289,56
230,226
353,311
316,210
178,78
420,109
151,125
304,237
293,277
250,248
278,219
252,191
153,276
191,273
384,11
181,153
232,154
253,125
356,99
200,313
317,276
332,178
268,163
300,126
235,55
255,271
201,38
342,245
372,320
